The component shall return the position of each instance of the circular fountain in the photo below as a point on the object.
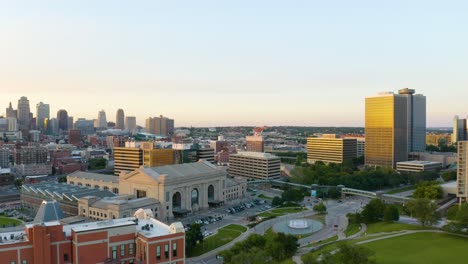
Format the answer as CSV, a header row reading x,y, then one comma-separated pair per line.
x,y
298,226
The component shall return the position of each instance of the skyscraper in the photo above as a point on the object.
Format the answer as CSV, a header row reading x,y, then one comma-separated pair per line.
x,y
460,130
70,123
130,124
160,125
395,126
62,117
102,120
119,119
386,130
24,112
10,112
42,113
462,171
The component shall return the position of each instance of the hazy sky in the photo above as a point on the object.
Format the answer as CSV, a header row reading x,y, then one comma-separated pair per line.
x,y
220,62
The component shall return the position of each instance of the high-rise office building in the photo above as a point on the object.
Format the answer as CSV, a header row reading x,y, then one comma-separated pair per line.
x,y
10,112
386,130
416,119
53,126
70,122
255,143
331,149
42,113
62,117
254,165
395,126
462,171
85,126
160,126
130,124
24,111
460,130
127,159
119,119
102,120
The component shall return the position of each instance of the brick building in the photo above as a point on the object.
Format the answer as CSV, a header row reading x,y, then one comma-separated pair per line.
x,y
138,239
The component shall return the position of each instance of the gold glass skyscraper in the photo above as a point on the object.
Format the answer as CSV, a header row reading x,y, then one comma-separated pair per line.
x,y
386,130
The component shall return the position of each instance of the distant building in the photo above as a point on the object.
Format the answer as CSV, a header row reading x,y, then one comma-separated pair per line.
x,y
30,155
395,126
43,113
207,154
255,143
62,118
74,137
120,119
34,135
160,126
70,123
24,112
331,149
127,159
130,124
86,127
5,155
10,112
6,177
437,138
418,166
254,165
101,120
23,170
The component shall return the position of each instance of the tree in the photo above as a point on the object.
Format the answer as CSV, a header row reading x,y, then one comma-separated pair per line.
x,y
320,208
373,211
462,214
349,254
283,246
449,175
452,212
276,201
309,259
424,210
192,237
428,189
391,213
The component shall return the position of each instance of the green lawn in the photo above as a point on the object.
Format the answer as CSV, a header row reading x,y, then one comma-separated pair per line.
x,y
265,197
424,248
287,210
391,227
7,222
403,189
224,236
352,229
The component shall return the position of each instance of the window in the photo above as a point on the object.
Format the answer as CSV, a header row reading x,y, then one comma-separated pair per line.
x,y
114,252
140,193
130,261
115,190
122,250
166,251
174,249
167,197
24,261
158,252
12,262
65,257
88,185
130,249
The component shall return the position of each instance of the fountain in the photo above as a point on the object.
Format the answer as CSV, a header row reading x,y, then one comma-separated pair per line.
x,y
297,226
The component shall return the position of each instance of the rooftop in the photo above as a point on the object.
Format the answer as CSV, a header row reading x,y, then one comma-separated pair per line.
x,y
63,191
256,155
95,176
418,162
185,169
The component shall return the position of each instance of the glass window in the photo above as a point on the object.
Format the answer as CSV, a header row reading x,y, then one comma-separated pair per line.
x,y
114,252
158,252
130,249
24,261
166,251
174,249
122,250
65,257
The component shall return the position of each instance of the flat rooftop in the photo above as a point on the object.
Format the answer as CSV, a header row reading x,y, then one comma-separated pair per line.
x,y
256,155
418,162
94,176
63,191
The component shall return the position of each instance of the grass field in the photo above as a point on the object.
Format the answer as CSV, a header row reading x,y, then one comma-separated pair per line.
x,y
224,236
264,196
281,211
391,227
420,248
7,222
352,229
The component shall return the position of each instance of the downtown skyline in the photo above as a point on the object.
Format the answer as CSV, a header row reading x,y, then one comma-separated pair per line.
x,y
220,64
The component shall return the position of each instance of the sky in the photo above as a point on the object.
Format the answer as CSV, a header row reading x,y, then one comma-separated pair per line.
x,y
228,63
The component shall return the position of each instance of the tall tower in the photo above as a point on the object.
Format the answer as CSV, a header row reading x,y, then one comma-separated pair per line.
x,y
416,119
460,130
386,129
462,172
42,113
130,124
10,112
24,117
62,118
102,120
119,119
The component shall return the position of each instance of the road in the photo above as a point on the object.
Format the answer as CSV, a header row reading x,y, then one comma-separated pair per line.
x,y
336,215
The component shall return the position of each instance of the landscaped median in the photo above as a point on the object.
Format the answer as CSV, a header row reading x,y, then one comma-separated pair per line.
x,y
223,236
8,222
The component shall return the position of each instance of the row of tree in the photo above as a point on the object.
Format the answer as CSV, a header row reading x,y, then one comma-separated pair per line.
x,y
375,211
348,175
345,254
255,249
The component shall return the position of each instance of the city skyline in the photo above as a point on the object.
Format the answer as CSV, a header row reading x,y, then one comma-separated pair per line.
x,y
214,63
